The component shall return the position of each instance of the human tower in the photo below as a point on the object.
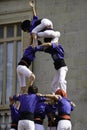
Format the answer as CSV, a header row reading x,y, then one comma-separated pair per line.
x,y
33,107
42,28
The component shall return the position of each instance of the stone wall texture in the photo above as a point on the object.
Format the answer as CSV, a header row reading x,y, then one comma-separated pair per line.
x,y
70,18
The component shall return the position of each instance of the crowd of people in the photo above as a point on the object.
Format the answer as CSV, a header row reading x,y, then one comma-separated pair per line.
x,y
29,108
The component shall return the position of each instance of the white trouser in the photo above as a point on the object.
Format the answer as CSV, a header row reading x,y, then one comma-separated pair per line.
x,y
12,129
64,125
50,34
26,125
44,23
39,127
23,72
51,128
59,81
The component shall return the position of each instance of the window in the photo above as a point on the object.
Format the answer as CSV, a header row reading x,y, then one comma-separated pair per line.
x,y
10,54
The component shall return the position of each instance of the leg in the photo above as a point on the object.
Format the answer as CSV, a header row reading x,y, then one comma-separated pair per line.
x,y
64,125
32,78
24,72
44,23
62,83
54,82
39,127
20,125
50,34
29,125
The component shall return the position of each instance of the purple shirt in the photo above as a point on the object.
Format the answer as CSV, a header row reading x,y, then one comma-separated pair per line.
x,y
56,51
64,106
57,54
14,113
27,102
40,107
29,52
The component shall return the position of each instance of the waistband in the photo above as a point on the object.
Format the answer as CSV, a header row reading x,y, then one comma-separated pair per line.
x,y
38,120
14,125
64,117
25,61
27,115
59,63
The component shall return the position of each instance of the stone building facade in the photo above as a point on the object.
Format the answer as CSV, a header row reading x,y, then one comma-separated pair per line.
x,y
70,18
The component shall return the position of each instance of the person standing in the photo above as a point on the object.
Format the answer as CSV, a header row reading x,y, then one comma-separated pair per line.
x,y
23,70
64,107
57,53
51,115
39,114
28,103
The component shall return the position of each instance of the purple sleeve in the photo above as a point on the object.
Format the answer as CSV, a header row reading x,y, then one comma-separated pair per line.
x,y
59,47
39,48
35,17
54,45
16,97
43,98
72,107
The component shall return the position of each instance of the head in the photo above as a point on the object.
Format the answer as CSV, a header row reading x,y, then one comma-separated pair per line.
x,y
33,89
61,92
47,39
25,25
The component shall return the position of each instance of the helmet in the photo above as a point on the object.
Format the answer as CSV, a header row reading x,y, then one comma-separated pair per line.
x,y
61,92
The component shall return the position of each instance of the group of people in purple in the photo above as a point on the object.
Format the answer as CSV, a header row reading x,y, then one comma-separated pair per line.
x,y
29,108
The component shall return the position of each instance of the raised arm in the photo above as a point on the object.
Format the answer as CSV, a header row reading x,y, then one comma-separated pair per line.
x,y
51,96
32,4
42,47
48,44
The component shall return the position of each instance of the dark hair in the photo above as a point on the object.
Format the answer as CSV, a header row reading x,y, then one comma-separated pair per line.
x,y
33,89
25,25
47,39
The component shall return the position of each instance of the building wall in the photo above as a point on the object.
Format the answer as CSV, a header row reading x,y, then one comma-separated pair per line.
x,y
70,18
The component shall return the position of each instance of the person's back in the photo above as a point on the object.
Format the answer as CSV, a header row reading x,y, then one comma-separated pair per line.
x,y
27,107
64,106
57,53
15,115
51,116
39,114
23,69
